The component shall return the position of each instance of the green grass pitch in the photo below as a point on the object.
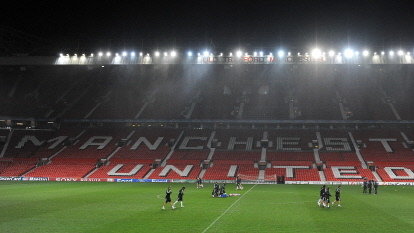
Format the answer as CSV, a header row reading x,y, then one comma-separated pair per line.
x,y
136,207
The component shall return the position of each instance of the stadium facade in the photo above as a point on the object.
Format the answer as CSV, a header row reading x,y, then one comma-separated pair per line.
x,y
171,117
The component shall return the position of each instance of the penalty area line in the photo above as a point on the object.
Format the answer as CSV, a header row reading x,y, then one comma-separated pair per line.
x,y
211,224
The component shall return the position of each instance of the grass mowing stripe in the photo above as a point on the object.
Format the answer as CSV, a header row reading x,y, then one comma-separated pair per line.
x,y
209,226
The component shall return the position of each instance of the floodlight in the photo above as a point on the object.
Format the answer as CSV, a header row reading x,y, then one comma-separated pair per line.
x,y
365,53
391,53
400,53
316,53
108,54
231,54
190,54
255,54
331,53
261,53
173,54
239,53
157,54
349,53
206,53
281,53
100,54
382,53
124,54
133,54
61,54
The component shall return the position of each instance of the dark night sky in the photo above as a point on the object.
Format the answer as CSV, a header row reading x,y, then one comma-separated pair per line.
x,y
38,27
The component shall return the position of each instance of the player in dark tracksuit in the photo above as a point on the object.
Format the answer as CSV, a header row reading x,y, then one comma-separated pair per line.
x,y
365,186
222,189
180,197
375,187
321,193
168,198
238,183
215,192
326,197
337,196
369,186
199,183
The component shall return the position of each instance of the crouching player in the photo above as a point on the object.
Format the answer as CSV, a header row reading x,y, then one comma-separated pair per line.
x,y
180,197
337,196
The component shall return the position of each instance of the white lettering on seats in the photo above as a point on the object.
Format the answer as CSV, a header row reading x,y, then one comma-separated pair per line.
x,y
339,171
151,146
114,171
182,173
392,175
100,141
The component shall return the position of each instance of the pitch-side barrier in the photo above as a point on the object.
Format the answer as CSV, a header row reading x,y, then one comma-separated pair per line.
x,y
118,180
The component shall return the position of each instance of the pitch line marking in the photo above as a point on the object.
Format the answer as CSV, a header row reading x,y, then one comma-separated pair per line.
x,y
205,230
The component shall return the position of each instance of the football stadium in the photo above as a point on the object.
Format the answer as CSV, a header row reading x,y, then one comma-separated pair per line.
x,y
233,139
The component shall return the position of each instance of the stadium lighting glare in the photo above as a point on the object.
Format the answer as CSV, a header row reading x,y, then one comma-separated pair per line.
x,y
391,53
400,53
92,55
133,54
173,53
157,54
124,54
198,54
365,53
206,53
239,53
61,54
231,54
261,53
281,53
270,54
100,54
116,55
108,54
289,54
255,54
165,54
316,53
349,53
331,53
190,54
221,54
382,53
